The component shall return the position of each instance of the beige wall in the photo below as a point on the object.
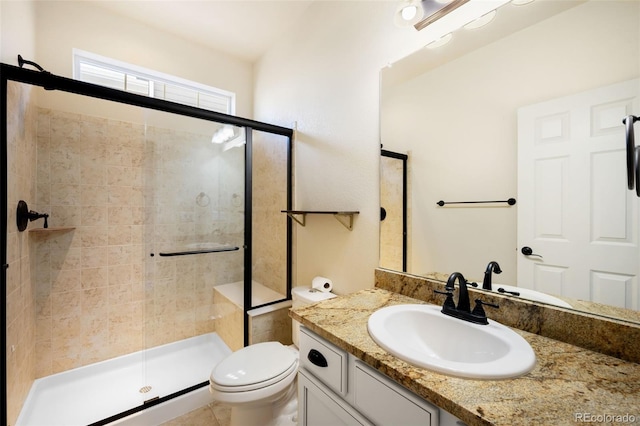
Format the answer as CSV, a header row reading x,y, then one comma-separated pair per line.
x,y
17,31
324,78
475,157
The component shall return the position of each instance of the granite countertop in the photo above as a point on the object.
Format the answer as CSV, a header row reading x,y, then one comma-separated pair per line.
x,y
568,385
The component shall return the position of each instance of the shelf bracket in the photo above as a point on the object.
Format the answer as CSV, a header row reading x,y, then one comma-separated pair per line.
x,y
346,219
293,216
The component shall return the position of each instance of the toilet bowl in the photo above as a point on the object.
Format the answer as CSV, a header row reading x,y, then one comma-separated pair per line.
x,y
254,379
258,379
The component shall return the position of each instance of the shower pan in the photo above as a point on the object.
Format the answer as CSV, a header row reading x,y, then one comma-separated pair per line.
x,y
110,308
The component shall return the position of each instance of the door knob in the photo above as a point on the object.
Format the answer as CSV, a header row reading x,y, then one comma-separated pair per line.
x,y
528,251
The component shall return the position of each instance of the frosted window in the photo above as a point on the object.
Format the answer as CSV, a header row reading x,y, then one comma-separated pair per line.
x,y
92,68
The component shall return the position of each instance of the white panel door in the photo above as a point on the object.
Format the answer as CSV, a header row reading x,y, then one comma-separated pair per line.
x,y
574,210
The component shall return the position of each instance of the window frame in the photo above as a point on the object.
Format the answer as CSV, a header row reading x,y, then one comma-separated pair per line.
x,y
129,70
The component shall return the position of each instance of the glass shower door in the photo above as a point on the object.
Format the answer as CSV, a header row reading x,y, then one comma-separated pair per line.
x,y
194,238
148,219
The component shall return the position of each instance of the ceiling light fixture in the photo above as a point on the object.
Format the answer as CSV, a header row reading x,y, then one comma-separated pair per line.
x,y
436,9
408,13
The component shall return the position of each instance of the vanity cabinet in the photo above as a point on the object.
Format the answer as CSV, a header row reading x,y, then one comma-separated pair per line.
x,y
335,388
319,406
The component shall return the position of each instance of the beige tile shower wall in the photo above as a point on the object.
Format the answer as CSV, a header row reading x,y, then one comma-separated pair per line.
x,y
198,198
272,326
269,199
391,229
229,321
131,193
20,319
90,281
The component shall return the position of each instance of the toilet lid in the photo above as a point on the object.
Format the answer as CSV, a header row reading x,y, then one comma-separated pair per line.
x,y
253,364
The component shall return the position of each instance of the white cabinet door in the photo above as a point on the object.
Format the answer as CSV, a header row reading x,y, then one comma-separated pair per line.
x,y
387,403
319,406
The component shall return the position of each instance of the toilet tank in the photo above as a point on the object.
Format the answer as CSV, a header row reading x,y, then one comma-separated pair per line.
x,y
305,296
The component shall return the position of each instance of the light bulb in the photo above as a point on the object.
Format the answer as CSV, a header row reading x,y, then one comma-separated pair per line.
x,y
409,12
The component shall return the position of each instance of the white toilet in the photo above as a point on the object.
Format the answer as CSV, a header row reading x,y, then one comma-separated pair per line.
x,y
255,379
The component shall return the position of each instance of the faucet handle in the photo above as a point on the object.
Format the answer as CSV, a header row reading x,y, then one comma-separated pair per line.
x,y
479,310
448,303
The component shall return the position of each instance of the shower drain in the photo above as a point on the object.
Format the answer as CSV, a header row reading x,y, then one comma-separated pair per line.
x,y
145,389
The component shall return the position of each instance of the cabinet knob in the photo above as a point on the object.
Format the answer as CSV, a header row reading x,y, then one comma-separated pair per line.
x,y
317,358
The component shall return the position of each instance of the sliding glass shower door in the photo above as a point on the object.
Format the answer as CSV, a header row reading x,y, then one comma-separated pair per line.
x,y
147,214
194,240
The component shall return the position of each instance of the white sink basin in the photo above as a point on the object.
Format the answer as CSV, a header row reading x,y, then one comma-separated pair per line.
x,y
529,294
425,337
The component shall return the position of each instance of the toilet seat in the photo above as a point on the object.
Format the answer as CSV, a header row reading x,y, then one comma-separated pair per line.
x,y
254,367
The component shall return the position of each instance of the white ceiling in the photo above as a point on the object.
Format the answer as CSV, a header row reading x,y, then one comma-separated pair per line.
x,y
243,28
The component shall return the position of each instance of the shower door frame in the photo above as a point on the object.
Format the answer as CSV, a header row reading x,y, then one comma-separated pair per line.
x,y
50,81
404,158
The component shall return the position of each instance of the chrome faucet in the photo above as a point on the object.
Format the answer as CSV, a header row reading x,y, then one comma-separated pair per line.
x,y
491,267
463,309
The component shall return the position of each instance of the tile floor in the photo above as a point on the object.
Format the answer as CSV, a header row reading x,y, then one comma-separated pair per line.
x,y
209,415
216,414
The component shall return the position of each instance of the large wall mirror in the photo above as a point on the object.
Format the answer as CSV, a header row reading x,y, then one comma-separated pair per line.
x,y
528,107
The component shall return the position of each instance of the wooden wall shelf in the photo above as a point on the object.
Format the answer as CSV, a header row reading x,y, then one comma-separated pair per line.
x,y
344,217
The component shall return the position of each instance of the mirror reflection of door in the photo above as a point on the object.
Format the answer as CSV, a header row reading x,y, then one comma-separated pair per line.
x,y
393,210
576,213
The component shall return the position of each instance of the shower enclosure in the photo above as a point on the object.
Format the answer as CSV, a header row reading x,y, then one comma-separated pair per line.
x,y
394,205
146,219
